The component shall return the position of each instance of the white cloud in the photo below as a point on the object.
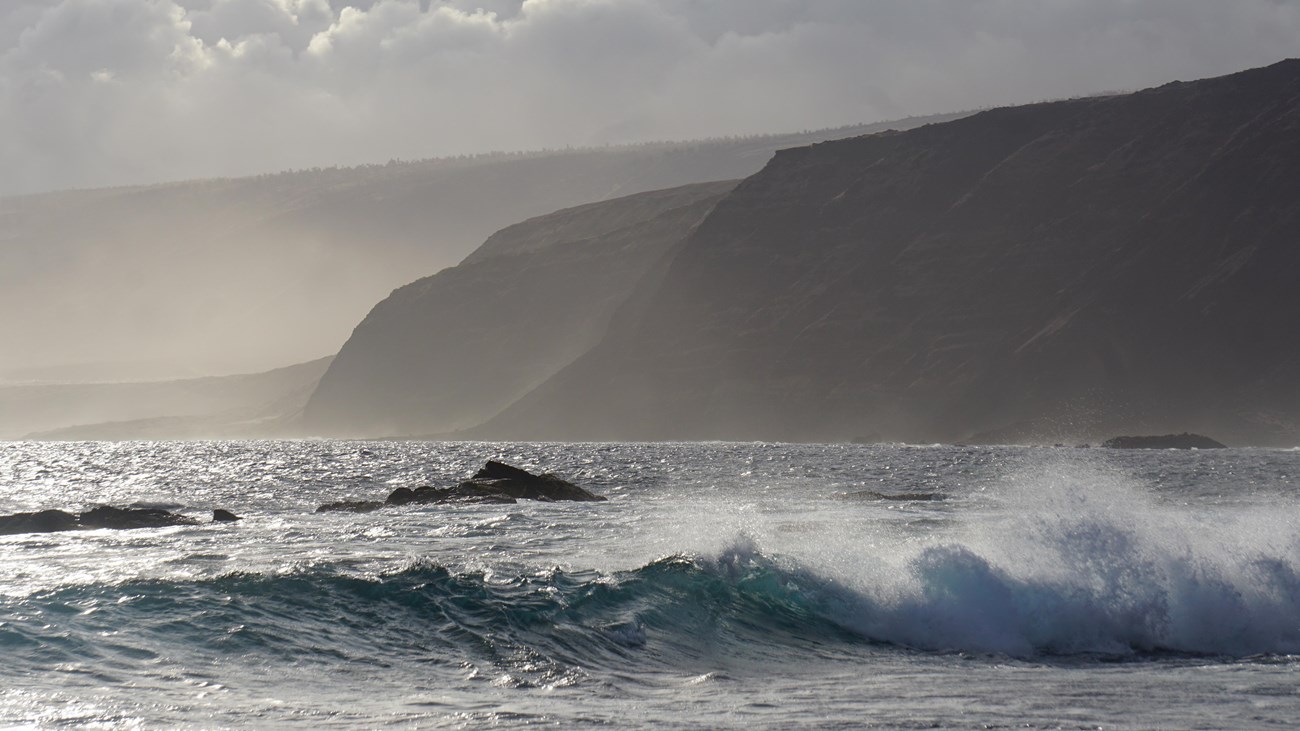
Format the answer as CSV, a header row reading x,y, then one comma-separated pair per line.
x,y
97,92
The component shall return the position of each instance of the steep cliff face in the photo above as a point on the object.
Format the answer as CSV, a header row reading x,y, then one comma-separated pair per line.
x,y
450,350
1056,271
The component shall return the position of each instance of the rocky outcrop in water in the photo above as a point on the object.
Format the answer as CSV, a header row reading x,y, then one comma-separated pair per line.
x,y
45,521
429,494
1166,441
497,478
107,516
496,482
104,516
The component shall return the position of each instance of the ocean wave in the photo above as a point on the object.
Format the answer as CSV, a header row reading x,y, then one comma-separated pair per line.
x,y
530,629
677,613
960,600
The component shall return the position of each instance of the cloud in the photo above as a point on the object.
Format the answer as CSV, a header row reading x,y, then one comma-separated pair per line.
x,y
96,92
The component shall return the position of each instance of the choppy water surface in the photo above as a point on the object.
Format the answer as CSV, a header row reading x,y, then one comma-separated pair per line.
x,y
723,585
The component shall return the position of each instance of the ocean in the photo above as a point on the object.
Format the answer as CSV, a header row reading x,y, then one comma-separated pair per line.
x,y
721,586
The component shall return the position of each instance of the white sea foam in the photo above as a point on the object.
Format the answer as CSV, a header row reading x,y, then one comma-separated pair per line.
x,y
1062,555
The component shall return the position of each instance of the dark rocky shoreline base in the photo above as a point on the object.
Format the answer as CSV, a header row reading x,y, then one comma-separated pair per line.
x,y
1165,441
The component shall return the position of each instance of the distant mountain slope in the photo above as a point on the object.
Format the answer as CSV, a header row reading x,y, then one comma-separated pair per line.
x,y
1068,270
450,350
240,275
259,404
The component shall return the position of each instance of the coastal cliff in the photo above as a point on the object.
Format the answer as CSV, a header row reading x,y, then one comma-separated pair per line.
x,y
451,350
1074,269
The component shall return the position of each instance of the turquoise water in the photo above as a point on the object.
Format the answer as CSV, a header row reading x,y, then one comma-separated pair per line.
x,y
722,585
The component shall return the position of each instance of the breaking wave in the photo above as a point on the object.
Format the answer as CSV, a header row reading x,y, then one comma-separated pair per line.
x,y
1100,590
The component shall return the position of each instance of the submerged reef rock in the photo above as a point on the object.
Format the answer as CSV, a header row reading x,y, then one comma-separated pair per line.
x,y
350,506
497,482
431,494
898,496
104,516
1166,441
46,521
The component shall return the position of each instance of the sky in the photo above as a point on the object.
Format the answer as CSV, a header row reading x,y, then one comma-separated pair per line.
x,y
111,92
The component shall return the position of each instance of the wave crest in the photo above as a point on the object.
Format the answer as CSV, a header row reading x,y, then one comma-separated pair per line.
x,y
1098,587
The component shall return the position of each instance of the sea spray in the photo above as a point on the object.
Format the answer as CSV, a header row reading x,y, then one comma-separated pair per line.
x,y
1065,555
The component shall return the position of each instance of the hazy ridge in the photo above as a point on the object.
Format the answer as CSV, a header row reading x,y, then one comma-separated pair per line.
x,y
247,274
259,404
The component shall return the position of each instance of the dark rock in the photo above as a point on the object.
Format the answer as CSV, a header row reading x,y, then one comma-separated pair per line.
x,y
401,496
431,494
472,495
497,478
492,499
45,521
496,482
107,516
104,516
494,470
350,506
1166,441
224,516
